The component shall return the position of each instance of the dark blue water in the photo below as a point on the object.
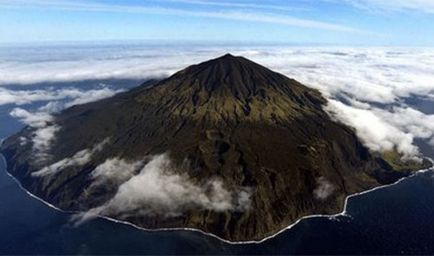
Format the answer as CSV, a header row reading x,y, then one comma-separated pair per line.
x,y
395,220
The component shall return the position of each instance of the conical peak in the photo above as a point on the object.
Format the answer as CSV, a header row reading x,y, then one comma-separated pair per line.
x,y
228,56
226,71
236,75
232,69
230,88
227,59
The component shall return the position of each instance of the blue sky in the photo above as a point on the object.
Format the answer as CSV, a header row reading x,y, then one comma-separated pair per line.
x,y
345,22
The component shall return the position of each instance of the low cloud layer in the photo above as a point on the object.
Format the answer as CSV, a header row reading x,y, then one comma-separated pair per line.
x,y
72,96
41,119
324,188
370,74
44,133
115,169
373,129
155,189
22,66
367,87
79,159
35,119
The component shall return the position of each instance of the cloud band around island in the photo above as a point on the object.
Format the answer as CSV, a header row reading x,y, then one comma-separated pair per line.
x,y
367,87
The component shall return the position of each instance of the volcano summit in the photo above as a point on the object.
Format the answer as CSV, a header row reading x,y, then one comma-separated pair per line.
x,y
226,146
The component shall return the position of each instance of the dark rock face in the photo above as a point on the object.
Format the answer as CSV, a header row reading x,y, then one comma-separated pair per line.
x,y
228,118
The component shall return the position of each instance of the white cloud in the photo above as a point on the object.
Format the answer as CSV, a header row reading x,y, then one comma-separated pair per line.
x,y
233,4
237,14
73,95
367,74
22,97
364,78
80,158
375,132
114,170
42,139
386,129
36,120
82,97
157,190
27,66
42,120
371,74
281,20
395,5
324,188
409,120
44,133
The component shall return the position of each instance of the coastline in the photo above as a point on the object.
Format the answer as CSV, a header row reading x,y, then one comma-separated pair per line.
x,y
330,216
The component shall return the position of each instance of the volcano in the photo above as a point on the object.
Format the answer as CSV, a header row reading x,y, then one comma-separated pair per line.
x,y
227,146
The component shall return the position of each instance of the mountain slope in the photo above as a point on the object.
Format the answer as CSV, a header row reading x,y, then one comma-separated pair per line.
x,y
226,146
